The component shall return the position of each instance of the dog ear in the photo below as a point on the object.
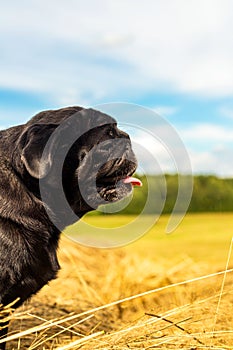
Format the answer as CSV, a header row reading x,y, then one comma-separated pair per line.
x,y
31,146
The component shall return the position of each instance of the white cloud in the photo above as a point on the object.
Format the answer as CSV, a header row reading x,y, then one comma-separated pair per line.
x,y
226,111
209,148
213,162
165,111
99,48
160,149
207,133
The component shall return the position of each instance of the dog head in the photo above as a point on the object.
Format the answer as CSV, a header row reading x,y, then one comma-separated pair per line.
x,y
85,152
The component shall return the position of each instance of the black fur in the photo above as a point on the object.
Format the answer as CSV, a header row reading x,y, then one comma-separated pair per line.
x,y
28,237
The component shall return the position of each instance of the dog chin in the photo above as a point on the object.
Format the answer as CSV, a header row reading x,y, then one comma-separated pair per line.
x,y
113,193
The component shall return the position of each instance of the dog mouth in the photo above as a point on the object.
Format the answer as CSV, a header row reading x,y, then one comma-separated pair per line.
x,y
116,187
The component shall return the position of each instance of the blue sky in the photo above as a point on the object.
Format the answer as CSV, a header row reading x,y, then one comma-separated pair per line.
x,y
174,57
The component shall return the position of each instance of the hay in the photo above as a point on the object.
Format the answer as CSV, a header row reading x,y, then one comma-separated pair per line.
x,y
113,300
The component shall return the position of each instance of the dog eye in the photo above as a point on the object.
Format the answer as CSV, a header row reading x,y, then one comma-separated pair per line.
x,y
111,133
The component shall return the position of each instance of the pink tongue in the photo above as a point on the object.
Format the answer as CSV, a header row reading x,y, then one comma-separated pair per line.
x,y
133,180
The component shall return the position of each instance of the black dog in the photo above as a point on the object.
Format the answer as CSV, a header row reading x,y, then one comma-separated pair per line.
x,y
94,170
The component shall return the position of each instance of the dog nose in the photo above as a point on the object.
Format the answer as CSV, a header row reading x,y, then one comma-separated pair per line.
x,y
122,134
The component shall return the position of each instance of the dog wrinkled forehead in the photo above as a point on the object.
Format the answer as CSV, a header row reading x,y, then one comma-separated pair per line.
x,y
88,119
80,123
76,115
95,114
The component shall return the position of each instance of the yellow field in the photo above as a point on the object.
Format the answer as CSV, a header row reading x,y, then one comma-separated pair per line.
x,y
202,237
160,292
